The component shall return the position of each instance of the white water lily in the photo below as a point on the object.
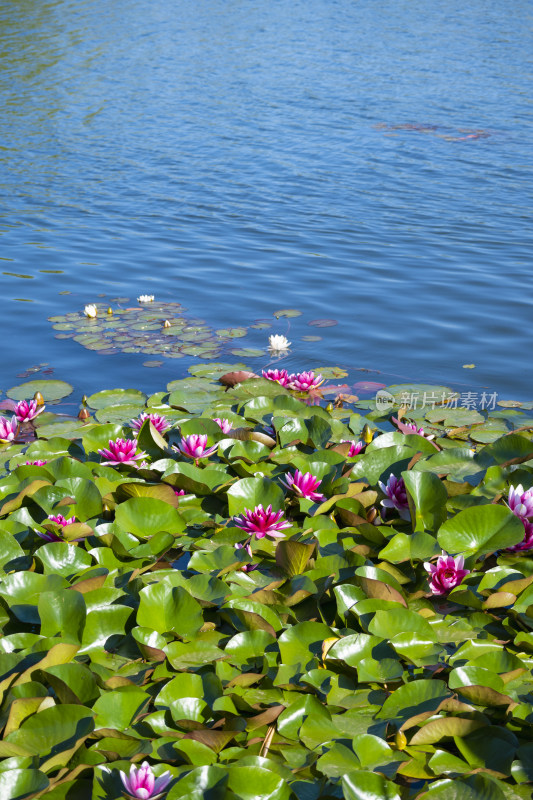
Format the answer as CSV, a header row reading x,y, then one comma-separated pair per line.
x,y
278,342
145,298
90,310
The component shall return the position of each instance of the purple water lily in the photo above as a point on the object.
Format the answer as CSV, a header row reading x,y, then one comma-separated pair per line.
x,y
396,496
262,522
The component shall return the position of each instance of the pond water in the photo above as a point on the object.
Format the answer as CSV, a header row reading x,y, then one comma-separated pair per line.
x,y
364,163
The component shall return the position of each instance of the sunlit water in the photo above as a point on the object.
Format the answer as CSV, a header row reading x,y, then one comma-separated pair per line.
x,y
364,162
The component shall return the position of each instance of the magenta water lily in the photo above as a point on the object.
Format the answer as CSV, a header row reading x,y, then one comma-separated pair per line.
x,y
521,502
305,381
58,519
447,573
195,446
141,783
304,485
160,423
262,522
8,429
224,424
280,376
121,451
26,412
355,447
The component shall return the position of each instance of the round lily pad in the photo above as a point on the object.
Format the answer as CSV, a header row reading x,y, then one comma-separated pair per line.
x,y
115,397
287,312
50,390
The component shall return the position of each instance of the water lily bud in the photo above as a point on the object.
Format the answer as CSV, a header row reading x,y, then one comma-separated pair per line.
x,y
166,324
84,399
109,310
84,414
400,740
39,399
367,434
330,407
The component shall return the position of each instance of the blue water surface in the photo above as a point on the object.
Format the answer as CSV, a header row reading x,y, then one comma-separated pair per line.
x,y
363,161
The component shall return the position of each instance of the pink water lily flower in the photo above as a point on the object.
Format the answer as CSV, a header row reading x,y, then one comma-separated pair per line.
x,y
195,446
35,463
248,548
160,423
8,429
224,424
446,573
396,496
262,522
355,447
304,381
141,783
520,502
527,541
121,451
59,519
303,485
26,412
280,376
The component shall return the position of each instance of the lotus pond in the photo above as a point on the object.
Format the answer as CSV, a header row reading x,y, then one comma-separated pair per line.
x,y
244,588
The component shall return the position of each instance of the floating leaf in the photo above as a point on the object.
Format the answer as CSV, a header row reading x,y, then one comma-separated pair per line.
x,y
50,390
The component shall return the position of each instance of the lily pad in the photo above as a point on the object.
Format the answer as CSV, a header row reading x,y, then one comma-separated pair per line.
x,y
50,390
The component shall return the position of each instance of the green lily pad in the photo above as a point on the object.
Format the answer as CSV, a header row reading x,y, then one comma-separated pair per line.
x,y
50,390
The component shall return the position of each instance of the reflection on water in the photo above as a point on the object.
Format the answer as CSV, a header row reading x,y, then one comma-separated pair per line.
x,y
366,163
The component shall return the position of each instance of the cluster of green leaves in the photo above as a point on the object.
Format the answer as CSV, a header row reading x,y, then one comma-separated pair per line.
x,y
327,671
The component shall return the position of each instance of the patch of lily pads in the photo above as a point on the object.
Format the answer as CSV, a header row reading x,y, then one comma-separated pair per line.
x,y
239,588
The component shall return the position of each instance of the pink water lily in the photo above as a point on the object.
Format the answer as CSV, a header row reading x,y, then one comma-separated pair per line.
x,y
160,423
304,381
248,549
447,573
355,447
224,424
262,522
8,429
280,376
179,492
195,446
396,496
26,412
52,536
121,451
520,502
527,541
303,485
141,783
35,463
